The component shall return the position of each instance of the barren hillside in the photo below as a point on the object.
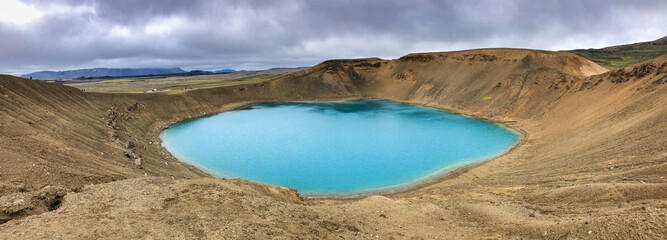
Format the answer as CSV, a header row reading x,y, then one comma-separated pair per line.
x,y
592,162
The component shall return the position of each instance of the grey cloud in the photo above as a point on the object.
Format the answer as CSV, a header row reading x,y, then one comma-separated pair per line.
x,y
212,34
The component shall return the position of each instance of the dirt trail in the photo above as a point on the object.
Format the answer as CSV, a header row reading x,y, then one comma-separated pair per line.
x,y
592,163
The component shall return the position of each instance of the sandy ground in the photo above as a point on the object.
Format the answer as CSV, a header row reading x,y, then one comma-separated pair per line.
x,y
592,164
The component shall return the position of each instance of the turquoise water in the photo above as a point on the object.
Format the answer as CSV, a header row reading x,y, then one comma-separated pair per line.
x,y
334,149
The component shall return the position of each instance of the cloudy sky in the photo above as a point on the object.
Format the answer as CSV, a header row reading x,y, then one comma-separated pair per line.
x,y
259,34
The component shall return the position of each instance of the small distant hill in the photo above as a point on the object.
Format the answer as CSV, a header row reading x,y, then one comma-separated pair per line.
x,y
625,55
101,72
226,71
197,72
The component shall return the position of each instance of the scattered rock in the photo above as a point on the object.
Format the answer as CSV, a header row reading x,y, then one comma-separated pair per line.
x,y
129,153
382,215
586,222
660,81
21,205
139,162
531,215
129,144
7,188
620,205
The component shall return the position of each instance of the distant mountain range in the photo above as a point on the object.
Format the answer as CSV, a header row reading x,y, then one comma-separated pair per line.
x,y
101,72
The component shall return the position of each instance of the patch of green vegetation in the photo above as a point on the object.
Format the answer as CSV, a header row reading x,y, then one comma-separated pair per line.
x,y
624,55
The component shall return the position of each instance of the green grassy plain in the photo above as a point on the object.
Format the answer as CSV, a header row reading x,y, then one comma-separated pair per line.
x,y
176,83
625,55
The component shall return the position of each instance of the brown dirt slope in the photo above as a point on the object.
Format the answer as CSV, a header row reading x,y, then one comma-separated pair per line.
x,y
591,165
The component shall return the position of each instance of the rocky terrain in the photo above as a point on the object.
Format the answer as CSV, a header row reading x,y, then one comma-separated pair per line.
x,y
592,163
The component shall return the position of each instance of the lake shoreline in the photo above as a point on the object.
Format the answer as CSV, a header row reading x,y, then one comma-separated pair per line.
x,y
385,190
